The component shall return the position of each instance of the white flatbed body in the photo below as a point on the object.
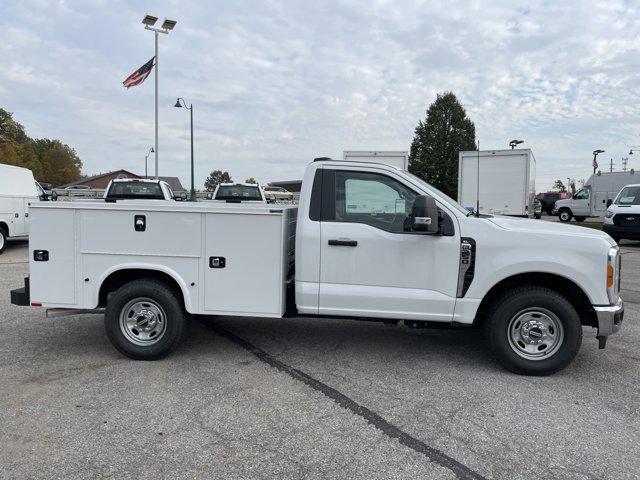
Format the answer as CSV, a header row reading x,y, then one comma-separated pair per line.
x,y
178,240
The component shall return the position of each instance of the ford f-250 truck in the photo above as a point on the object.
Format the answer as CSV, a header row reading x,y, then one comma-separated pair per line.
x,y
368,241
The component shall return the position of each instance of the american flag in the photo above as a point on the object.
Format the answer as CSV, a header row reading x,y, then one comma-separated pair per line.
x,y
140,75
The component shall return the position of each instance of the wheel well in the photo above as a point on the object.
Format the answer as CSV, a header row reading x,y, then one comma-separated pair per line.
x,y
565,287
121,277
4,227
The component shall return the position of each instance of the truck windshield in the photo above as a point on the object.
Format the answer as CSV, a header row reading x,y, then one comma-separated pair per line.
x,y
238,192
124,190
629,196
450,201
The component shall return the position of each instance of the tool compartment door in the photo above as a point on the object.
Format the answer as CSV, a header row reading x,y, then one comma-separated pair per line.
x,y
243,264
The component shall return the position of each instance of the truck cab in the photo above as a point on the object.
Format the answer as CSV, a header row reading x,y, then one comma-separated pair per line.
x,y
239,193
622,219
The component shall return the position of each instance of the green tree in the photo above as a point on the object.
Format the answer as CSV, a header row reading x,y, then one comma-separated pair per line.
x,y
559,186
216,177
437,140
251,180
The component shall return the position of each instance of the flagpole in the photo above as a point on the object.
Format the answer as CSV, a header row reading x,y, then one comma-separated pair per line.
x,y
156,153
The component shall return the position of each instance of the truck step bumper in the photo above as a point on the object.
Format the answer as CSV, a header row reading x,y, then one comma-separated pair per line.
x,y
20,296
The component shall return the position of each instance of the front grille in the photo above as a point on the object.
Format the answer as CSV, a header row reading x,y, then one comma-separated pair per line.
x,y
627,220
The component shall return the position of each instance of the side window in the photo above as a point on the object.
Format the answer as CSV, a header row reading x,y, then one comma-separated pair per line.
x,y
582,194
373,199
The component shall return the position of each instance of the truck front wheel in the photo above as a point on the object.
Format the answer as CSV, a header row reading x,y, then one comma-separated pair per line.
x,y
533,331
144,320
3,239
565,215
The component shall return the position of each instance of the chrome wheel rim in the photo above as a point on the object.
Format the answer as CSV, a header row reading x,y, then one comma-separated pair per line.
x,y
2,240
564,216
535,333
143,321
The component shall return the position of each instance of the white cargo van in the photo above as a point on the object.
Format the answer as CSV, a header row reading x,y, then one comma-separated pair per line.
x,y
17,189
593,199
507,181
367,241
397,158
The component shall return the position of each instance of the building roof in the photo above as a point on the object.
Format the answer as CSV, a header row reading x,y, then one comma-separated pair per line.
x,y
174,182
86,180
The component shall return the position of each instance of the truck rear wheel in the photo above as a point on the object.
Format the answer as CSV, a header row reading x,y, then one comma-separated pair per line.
x,y
565,215
144,320
3,239
533,331
580,219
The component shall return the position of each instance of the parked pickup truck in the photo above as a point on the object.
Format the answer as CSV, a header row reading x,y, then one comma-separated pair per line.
x,y
368,241
141,189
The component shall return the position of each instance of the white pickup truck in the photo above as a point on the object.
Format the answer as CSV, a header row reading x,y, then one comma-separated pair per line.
x,y
367,241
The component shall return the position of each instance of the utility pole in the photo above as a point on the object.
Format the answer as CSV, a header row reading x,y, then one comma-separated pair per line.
x,y
611,166
625,162
190,108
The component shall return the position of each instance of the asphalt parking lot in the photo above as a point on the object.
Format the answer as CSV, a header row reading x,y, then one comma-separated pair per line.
x,y
299,398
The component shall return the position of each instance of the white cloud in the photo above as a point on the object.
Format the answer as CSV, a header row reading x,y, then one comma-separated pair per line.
x,y
275,84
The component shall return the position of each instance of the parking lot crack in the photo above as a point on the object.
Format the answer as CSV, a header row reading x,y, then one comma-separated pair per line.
x,y
434,455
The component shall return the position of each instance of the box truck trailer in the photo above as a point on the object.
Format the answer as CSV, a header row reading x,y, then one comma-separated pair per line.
x,y
593,199
396,158
507,181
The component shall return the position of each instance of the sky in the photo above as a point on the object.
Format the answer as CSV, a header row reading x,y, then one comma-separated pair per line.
x,y
275,84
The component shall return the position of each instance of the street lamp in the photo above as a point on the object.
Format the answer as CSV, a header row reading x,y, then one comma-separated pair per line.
x,y
146,174
149,21
514,143
190,108
595,161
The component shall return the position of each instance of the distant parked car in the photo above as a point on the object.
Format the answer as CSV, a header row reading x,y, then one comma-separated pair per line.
x,y
239,192
548,200
278,192
622,218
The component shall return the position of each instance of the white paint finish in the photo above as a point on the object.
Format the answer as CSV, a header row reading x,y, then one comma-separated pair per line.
x,y
396,158
17,191
53,283
168,233
507,181
465,310
252,280
397,275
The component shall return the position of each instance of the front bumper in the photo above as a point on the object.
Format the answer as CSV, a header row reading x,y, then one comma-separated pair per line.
x,y
621,231
609,320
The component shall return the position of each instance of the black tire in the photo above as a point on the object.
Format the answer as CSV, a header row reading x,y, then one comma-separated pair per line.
x,y
580,219
616,238
537,216
510,307
565,215
3,239
156,295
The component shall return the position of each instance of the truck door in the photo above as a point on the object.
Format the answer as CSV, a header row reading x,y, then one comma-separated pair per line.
x,y
580,205
19,210
600,202
369,265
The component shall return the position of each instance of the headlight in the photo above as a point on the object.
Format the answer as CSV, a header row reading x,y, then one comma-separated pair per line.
x,y
608,214
613,274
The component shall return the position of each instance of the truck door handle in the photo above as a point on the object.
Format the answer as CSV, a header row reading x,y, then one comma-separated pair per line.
x,y
343,243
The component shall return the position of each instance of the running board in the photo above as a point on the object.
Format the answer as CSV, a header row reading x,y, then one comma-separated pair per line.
x,y
65,312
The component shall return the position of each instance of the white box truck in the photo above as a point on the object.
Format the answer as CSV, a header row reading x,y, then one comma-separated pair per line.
x,y
507,181
367,241
397,158
18,188
593,199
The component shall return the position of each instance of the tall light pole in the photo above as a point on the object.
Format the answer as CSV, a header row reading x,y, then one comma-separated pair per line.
x,y
190,108
146,173
149,21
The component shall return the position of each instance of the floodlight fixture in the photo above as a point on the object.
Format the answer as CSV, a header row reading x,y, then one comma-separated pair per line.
x,y
514,143
150,20
168,24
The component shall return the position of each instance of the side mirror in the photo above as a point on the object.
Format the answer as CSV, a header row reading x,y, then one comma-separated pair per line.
x,y
54,196
424,215
609,202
